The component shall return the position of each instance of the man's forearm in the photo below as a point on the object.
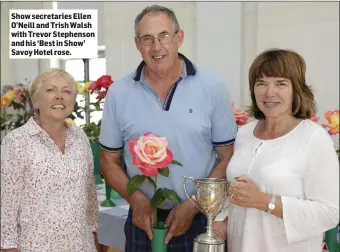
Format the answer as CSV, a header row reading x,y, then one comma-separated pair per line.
x,y
220,169
224,154
116,177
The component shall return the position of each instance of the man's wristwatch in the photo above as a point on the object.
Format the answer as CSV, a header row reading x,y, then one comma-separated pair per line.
x,y
271,204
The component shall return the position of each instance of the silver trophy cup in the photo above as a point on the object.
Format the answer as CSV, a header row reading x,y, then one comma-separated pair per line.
x,y
210,196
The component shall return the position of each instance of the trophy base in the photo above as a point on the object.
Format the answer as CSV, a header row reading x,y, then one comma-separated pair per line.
x,y
211,239
203,247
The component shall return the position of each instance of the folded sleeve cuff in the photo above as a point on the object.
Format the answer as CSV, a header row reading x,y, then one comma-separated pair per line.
x,y
109,149
224,143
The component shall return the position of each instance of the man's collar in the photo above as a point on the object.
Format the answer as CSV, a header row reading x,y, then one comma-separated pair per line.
x,y
190,68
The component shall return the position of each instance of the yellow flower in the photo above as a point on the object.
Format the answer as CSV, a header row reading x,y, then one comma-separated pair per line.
x,y
333,122
4,102
69,121
10,96
80,88
87,84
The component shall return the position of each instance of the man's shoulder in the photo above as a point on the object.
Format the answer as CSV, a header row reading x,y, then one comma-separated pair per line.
x,y
208,77
123,84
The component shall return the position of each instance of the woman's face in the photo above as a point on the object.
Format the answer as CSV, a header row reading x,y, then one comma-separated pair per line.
x,y
274,96
55,99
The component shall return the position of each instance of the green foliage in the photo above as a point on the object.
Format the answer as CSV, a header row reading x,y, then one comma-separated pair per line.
x,y
164,172
92,130
135,183
176,163
161,194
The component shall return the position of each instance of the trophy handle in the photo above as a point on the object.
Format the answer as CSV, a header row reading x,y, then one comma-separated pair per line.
x,y
185,190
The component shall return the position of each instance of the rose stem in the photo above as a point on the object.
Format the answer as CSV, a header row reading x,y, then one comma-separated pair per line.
x,y
155,192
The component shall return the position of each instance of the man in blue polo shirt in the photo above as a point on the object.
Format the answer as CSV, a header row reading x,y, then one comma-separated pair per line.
x,y
171,97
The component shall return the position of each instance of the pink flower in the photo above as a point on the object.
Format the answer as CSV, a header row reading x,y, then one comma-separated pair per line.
x,y
18,93
314,118
150,153
333,119
240,115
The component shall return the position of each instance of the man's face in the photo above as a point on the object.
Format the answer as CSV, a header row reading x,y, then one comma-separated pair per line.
x,y
160,57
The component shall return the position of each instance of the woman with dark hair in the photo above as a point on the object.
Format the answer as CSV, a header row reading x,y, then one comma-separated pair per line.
x,y
284,172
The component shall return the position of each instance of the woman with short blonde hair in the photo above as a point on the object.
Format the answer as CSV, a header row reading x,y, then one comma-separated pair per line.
x,y
48,196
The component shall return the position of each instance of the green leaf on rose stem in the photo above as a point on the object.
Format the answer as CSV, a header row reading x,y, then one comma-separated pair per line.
x,y
176,163
171,195
135,183
158,198
152,182
164,172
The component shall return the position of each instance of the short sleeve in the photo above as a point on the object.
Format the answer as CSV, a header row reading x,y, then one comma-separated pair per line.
x,y
110,138
224,126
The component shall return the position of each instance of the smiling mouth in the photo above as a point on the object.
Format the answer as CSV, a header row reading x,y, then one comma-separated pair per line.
x,y
58,107
158,57
271,104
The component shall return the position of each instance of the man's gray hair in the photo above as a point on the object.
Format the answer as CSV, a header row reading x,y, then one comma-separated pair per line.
x,y
156,8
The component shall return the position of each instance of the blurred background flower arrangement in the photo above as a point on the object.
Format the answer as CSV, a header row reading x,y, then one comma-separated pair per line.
x,y
332,118
15,109
99,87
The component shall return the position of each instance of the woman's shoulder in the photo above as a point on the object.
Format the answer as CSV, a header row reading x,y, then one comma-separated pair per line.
x,y
313,131
18,135
78,132
308,129
247,128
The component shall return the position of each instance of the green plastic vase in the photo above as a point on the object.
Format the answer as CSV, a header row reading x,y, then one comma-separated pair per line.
x,y
159,233
114,194
107,202
331,240
95,151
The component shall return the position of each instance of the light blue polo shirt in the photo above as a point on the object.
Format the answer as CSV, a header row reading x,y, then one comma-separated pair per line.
x,y
196,116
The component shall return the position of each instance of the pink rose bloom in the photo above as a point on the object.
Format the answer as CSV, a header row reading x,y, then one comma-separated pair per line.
x,y
314,118
240,115
150,152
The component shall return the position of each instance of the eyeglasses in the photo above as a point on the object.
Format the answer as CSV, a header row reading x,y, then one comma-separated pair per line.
x,y
164,38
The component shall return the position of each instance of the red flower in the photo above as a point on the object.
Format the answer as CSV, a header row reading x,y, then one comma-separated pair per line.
x,y
101,95
104,82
